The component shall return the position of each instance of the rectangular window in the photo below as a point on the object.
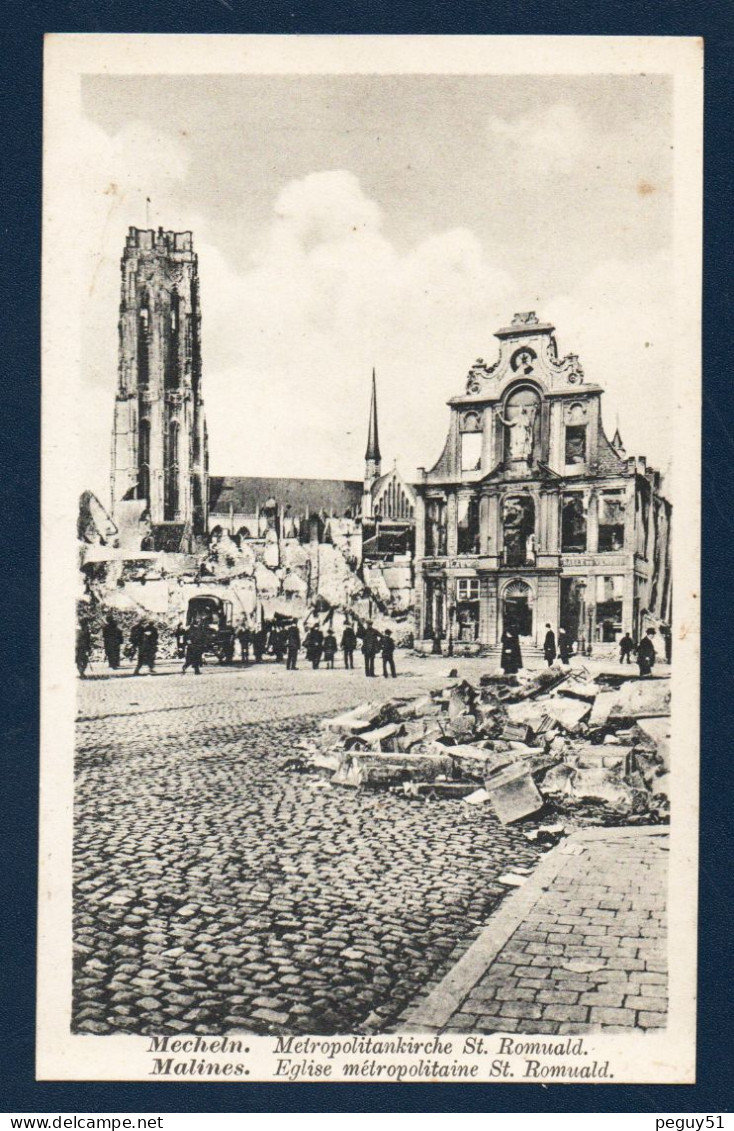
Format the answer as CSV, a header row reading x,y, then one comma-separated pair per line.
x,y
611,522
435,546
467,589
573,524
609,592
471,451
575,444
468,526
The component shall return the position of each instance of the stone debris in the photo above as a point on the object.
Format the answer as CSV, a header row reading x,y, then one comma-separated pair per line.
x,y
539,744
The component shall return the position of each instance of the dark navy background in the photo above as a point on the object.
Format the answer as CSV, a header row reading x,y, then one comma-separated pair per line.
x,y
20,216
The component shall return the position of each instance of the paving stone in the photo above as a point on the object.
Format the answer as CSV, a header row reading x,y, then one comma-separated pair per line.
x,y
604,1015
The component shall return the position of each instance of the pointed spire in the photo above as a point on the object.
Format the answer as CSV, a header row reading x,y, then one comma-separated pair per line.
x,y
373,440
617,440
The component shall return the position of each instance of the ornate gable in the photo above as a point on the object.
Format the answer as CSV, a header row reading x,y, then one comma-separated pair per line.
x,y
528,349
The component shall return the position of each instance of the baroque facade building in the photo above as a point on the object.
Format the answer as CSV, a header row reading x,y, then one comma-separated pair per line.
x,y
159,447
531,516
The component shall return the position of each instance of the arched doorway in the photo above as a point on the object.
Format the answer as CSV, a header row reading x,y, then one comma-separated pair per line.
x,y
517,608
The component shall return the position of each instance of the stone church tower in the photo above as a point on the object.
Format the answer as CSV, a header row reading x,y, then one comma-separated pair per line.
x,y
159,446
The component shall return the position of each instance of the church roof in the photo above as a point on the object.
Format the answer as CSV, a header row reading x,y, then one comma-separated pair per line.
x,y
244,495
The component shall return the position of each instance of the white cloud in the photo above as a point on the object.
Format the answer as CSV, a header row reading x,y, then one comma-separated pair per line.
x,y
290,335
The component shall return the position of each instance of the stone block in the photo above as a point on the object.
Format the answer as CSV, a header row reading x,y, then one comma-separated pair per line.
x,y
378,769
513,794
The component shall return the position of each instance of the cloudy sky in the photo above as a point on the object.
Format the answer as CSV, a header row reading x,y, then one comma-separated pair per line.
x,y
348,222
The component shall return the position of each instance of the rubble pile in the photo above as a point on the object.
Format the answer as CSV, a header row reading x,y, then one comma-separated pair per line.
x,y
551,742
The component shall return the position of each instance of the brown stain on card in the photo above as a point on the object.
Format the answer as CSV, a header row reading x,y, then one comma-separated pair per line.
x,y
644,188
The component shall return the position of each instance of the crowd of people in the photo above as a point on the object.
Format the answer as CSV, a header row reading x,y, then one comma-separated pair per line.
x,y
284,641
562,648
280,638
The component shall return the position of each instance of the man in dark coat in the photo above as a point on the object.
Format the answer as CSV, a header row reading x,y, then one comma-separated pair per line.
x,y
147,645
197,639
370,647
293,644
180,635
511,657
243,637
259,642
315,645
330,648
348,644
564,646
112,639
277,639
388,654
646,655
549,646
626,648
83,648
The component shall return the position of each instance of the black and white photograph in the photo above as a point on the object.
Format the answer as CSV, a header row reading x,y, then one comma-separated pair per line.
x,y
370,565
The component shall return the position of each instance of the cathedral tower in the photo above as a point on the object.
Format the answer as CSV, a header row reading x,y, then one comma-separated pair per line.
x,y
159,448
373,462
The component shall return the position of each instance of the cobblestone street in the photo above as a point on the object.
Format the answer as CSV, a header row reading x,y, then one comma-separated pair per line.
x,y
217,890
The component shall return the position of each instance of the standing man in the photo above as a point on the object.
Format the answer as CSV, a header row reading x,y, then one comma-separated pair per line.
x,y
388,654
369,649
243,637
83,648
330,649
196,642
112,639
315,646
564,646
293,644
348,644
626,648
511,656
549,646
180,635
147,646
278,641
259,641
646,655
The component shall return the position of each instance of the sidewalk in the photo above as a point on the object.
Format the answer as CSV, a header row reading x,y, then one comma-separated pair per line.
x,y
580,947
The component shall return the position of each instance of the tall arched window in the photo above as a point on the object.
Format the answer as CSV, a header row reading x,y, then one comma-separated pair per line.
x,y
143,342
171,502
172,344
144,460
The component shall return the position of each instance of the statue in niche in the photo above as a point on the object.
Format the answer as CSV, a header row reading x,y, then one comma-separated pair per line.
x,y
521,428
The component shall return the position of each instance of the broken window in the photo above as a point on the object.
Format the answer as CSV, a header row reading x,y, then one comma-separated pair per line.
x,y
573,525
575,444
471,451
609,591
518,530
467,609
611,521
468,526
435,528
